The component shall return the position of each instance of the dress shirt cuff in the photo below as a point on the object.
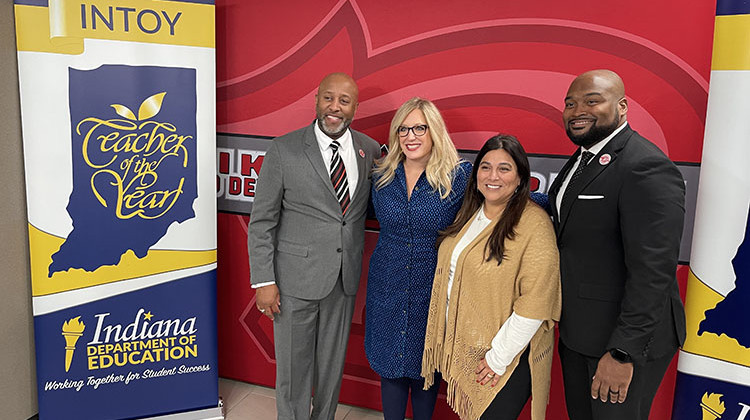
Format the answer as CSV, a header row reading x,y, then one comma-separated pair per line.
x,y
514,335
267,283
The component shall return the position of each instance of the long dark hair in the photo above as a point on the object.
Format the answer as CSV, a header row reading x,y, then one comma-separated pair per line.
x,y
473,199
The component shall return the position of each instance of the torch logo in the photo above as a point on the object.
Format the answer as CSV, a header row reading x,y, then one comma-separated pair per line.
x,y
72,330
712,406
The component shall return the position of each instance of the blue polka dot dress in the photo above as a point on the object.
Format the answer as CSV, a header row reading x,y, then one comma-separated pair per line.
x,y
402,267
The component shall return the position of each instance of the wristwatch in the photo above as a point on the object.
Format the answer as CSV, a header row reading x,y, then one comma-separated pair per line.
x,y
620,355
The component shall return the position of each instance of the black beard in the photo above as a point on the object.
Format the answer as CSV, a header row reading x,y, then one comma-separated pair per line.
x,y
595,134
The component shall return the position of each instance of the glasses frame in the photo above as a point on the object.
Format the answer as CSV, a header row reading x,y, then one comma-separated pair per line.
x,y
413,129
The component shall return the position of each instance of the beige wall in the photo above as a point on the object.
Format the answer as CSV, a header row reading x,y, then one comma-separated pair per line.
x,y
18,384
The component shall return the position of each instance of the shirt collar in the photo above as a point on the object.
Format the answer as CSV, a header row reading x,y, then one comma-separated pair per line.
x,y
324,142
595,149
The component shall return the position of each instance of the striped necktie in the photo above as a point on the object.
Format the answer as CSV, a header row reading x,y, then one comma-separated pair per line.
x,y
339,179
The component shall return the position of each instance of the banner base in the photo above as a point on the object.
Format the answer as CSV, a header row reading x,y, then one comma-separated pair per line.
x,y
205,414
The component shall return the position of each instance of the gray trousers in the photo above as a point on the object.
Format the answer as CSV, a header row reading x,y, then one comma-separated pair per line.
x,y
310,341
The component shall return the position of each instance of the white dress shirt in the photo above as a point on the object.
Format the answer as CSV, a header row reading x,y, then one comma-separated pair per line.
x,y
346,151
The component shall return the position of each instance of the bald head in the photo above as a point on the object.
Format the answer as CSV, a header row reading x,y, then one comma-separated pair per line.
x,y
335,103
339,79
595,106
602,79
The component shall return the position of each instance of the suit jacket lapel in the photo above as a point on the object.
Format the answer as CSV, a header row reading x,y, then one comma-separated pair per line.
x,y
312,150
362,166
591,172
554,189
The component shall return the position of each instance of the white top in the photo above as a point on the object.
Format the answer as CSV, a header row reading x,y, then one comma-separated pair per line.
x,y
477,226
595,149
516,332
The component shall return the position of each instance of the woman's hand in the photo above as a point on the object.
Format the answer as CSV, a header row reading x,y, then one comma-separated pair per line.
x,y
485,374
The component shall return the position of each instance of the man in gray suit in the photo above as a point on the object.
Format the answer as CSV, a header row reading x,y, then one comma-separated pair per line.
x,y
305,242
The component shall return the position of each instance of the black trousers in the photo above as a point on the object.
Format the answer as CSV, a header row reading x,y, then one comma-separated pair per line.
x,y
578,371
395,395
509,402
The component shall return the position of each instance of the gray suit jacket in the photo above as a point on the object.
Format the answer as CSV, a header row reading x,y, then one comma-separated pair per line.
x,y
297,235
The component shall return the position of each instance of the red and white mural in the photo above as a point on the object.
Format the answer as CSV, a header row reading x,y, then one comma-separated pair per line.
x,y
489,66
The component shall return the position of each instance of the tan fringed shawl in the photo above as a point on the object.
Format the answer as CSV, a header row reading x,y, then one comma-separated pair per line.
x,y
483,296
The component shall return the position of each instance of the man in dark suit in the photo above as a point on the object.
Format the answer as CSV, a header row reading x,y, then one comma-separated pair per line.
x,y
618,209
305,242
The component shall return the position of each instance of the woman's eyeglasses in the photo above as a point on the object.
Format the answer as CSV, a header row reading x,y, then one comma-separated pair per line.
x,y
418,130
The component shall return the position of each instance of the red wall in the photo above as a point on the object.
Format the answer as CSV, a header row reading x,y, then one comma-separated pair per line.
x,y
489,66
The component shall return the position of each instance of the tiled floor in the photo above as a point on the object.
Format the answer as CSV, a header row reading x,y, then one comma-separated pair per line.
x,y
243,401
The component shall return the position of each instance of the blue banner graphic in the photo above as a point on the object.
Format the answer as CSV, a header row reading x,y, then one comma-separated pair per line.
x,y
134,162
131,355
709,399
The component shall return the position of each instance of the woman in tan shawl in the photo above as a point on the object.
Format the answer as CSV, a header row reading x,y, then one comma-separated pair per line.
x,y
496,294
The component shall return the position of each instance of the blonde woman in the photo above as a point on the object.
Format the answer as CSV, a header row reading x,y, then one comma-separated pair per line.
x,y
417,190
496,296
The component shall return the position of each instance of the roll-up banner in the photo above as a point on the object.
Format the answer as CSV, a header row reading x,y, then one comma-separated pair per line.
x,y
118,112
713,380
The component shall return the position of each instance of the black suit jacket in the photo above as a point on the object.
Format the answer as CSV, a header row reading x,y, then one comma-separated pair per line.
x,y
619,231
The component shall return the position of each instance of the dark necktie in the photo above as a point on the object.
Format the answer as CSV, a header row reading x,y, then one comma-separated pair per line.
x,y
338,178
585,158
